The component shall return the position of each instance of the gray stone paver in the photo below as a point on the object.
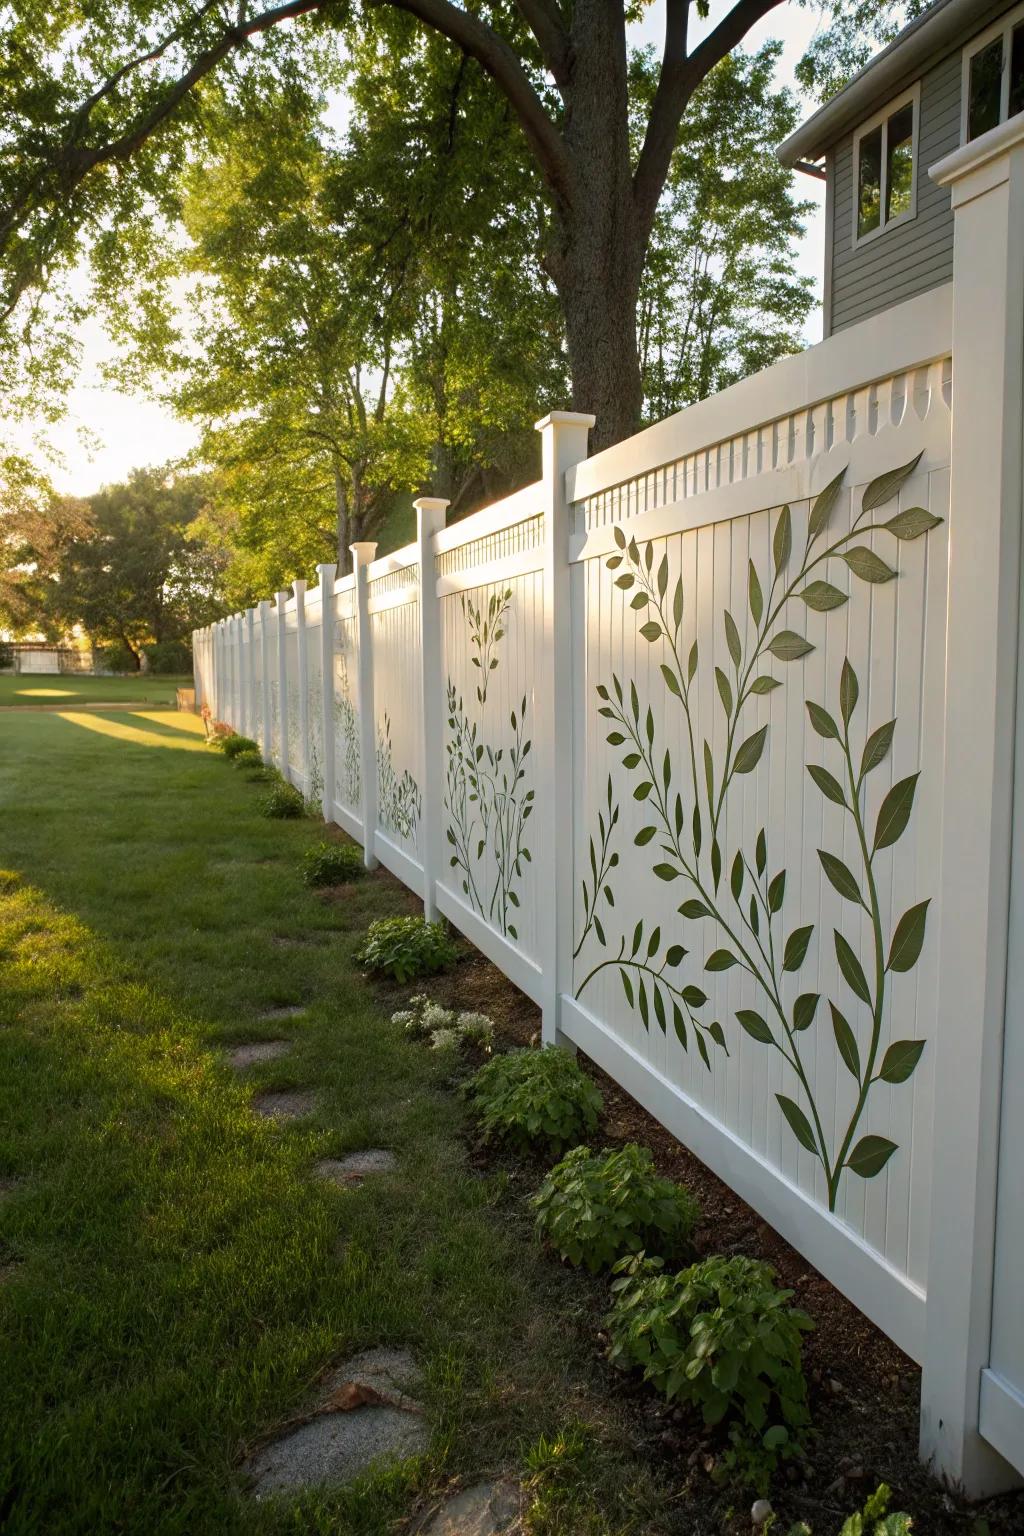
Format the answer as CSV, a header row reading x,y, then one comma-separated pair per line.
x,y
253,1052
486,1509
287,1104
349,1172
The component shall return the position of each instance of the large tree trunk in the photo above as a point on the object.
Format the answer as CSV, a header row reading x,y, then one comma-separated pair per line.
x,y
341,518
600,322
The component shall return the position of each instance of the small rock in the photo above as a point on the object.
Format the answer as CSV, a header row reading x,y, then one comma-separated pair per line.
x,y
760,1513
290,1104
835,1386
285,1011
349,1172
255,1051
487,1509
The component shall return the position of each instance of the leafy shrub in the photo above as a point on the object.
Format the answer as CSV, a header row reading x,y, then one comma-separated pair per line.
x,y
721,1337
332,864
593,1209
406,947
283,803
169,656
531,1098
250,758
872,1520
442,1027
232,745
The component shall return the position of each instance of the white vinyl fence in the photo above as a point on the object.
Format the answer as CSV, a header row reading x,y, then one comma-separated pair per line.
x,y
667,735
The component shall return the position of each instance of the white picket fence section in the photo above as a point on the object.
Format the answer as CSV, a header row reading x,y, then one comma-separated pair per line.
x,y
577,724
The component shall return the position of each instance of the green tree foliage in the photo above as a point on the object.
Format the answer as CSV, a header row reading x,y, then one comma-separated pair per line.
x,y
719,298
36,528
134,576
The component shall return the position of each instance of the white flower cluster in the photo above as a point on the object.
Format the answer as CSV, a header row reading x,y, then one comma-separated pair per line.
x,y
443,1028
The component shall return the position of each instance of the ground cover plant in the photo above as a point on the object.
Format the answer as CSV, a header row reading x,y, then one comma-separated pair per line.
x,y
534,1100
405,948
233,745
723,1338
283,803
332,864
594,1208
441,1028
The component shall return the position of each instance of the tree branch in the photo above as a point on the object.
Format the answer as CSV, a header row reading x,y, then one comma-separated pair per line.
x,y
547,24
495,56
680,75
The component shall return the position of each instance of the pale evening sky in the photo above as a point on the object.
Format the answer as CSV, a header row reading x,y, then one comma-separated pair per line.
x,y
106,432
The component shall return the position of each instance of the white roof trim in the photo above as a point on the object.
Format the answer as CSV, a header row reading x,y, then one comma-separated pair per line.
x,y
938,28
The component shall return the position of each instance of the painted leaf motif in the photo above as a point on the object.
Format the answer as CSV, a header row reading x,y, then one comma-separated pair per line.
x,y
677,604
663,576
787,645
777,891
694,908
732,639
877,746
900,1060
908,939
822,722
749,754
679,1025
720,960
619,536
782,540
849,691
651,630
846,1042
863,562
761,852
796,948
895,812
755,1026
675,955
798,1123
827,783
666,872
754,594
736,877
824,505
822,595
671,681
884,487
851,968
804,1009
912,523
764,684
840,876
724,690
870,1156
627,987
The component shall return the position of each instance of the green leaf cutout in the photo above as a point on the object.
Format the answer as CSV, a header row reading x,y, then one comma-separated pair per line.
x,y
900,1060
764,684
804,1009
912,523
749,754
822,595
863,562
895,812
755,1026
849,691
846,1042
666,872
782,540
787,645
827,783
651,631
732,639
877,746
724,690
796,948
870,1156
823,722
841,876
644,836
720,960
884,488
851,968
798,1123
824,505
694,908
907,941
754,594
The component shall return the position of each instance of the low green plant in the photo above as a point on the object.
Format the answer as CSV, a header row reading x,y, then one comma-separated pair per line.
x,y
233,744
872,1520
441,1028
721,1337
535,1099
283,803
406,947
250,758
332,864
594,1208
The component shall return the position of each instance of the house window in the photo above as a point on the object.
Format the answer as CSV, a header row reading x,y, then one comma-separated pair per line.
x,y
885,156
993,78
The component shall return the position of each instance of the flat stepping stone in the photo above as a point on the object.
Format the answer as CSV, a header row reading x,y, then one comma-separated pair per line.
x,y
8,1187
289,1104
364,1417
255,1051
286,1011
348,1172
486,1509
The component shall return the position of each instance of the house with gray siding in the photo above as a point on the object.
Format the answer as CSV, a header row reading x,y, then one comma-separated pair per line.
x,y
953,75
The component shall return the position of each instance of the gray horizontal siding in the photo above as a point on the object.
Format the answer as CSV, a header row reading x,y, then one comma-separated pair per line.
x,y
912,257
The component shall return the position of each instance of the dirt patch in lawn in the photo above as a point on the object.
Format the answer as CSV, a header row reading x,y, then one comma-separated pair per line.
x,y
865,1393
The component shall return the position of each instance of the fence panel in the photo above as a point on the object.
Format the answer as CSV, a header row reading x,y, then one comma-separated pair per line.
x,y
393,602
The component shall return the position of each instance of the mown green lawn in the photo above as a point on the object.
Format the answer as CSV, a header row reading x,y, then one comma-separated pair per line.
x,y
27,689
171,1278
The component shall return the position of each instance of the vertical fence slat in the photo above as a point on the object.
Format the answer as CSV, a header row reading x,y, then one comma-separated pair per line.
x,y
282,685
302,677
268,724
362,554
430,516
327,574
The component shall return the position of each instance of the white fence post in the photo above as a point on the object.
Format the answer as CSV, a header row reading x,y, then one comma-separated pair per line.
x,y
242,675
430,516
327,573
362,554
302,676
564,443
282,685
268,724
987,181
250,650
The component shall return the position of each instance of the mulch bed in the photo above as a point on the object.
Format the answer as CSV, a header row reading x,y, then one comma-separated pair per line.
x,y
864,1392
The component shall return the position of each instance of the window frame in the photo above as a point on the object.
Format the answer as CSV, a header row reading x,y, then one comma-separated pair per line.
x,y
1003,28
913,98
